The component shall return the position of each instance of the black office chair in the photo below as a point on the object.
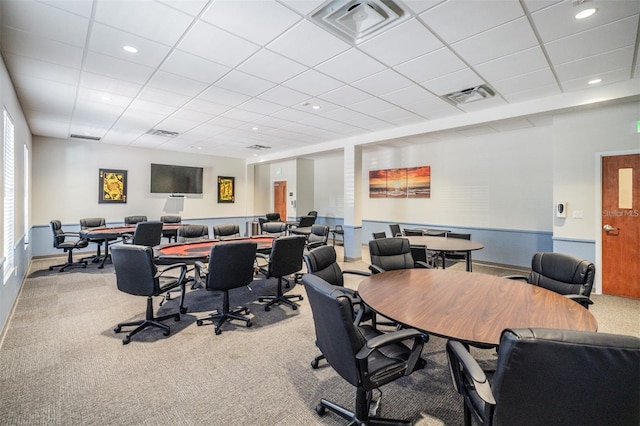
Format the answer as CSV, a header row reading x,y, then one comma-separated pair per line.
x,y
226,231
89,223
137,274
133,220
170,234
147,233
284,259
395,230
378,235
275,229
392,253
61,241
568,275
457,256
420,253
362,355
313,213
552,377
272,217
318,236
188,233
323,262
230,266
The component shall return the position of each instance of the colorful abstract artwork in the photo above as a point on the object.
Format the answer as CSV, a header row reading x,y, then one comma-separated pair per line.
x,y
226,189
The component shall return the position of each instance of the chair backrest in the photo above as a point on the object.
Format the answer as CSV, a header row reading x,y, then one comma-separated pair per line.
x,y
227,230
391,253
567,377
378,235
92,222
133,220
337,337
231,265
171,219
274,228
412,232
148,233
306,221
273,217
58,233
313,213
135,270
459,235
319,234
323,262
562,273
193,233
286,255
395,230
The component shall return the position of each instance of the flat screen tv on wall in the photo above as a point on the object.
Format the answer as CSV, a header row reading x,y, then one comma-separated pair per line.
x,y
176,179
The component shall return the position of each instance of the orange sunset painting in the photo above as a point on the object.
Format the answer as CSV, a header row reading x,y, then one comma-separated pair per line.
x,y
419,182
412,182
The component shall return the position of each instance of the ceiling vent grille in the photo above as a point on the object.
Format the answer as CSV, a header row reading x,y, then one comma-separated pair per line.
x,y
472,94
259,147
85,137
160,132
357,20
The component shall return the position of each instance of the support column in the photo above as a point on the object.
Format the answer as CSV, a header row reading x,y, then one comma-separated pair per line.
x,y
352,203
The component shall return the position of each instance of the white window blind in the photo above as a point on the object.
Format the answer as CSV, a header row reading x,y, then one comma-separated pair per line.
x,y
26,194
8,195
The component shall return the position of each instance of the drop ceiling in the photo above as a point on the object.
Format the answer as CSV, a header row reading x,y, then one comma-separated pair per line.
x,y
218,77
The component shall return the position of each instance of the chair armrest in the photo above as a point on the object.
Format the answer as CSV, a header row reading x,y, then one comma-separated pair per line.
x,y
316,244
516,277
421,264
394,338
462,363
181,266
583,300
356,272
375,269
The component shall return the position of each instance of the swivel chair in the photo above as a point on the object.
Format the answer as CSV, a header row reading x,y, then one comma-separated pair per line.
x,y
61,241
392,253
230,266
147,233
273,217
322,262
378,235
395,230
133,220
419,252
170,234
562,273
226,231
89,223
457,256
136,274
284,259
275,229
362,355
188,233
318,236
549,376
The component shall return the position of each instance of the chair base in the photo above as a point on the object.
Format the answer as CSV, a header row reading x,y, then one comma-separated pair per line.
x,y
281,298
219,318
354,420
70,263
149,321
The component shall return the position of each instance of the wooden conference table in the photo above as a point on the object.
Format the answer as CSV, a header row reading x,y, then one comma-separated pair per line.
x,y
470,307
192,251
446,245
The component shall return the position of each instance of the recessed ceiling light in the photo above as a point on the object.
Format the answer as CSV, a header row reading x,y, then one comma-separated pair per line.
x,y
255,129
106,98
586,13
594,81
130,49
316,107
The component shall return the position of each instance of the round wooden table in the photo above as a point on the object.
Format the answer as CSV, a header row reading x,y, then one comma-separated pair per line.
x,y
469,307
446,245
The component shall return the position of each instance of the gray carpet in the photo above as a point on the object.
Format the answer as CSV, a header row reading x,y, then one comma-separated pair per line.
x,y
61,363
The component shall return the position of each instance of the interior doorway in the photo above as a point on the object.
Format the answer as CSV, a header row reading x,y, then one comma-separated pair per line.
x,y
620,233
280,198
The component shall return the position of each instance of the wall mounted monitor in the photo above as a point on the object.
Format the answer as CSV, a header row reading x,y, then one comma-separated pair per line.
x,y
168,179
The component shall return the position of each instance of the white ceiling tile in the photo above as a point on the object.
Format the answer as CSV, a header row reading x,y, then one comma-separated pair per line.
x,y
392,48
199,110
397,116
40,95
459,19
100,97
497,42
432,65
345,95
409,95
146,18
613,76
383,82
45,123
483,104
109,85
191,7
176,84
216,45
271,66
179,125
459,80
371,106
23,66
42,49
193,67
312,82
223,96
594,65
283,96
116,68
430,107
149,108
163,97
534,5
525,82
531,93
319,45
419,6
513,65
246,84
255,20
240,115
350,66
292,115
77,7
110,41
303,6
260,106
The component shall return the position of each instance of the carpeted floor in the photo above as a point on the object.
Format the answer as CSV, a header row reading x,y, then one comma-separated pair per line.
x,y
61,363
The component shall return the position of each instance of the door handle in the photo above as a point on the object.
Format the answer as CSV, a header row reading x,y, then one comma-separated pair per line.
x,y
609,228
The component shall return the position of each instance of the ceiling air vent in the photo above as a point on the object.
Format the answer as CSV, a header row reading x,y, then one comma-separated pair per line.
x,y
259,147
85,137
357,20
160,132
470,95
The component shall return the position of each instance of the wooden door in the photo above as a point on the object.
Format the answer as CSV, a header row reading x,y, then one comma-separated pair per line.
x,y
280,198
621,225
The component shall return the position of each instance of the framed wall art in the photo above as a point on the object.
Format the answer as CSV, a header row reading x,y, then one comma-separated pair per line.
x,y
112,187
411,182
226,189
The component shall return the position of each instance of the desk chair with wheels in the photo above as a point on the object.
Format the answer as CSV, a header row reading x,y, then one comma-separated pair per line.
x,y
318,236
188,233
549,376
322,262
275,229
171,234
136,274
378,235
420,253
230,266
565,274
89,223
273,217
395,230
147,233
133,220
392,253
226,231
456,256
62,242
284,259
362,355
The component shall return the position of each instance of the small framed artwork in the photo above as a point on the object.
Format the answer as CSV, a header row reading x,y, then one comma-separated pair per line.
x,y
112,186
226,189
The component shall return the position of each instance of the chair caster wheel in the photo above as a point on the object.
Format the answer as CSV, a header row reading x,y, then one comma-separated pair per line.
x,y
321,410
198,323
249,323
117,330
126,340
267,308
183,310
314,364
294,307
166,332
176,318
301,298
218,331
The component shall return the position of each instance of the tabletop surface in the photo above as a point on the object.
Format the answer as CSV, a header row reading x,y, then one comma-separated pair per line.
x,y
201,249
468,306
444,244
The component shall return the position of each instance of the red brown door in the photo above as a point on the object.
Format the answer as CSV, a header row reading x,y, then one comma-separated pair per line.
x,y
621,225
280,198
